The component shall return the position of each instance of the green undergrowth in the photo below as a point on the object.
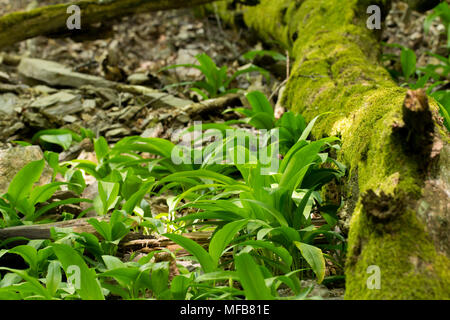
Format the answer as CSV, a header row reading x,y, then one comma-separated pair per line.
x,y
256,206
337,69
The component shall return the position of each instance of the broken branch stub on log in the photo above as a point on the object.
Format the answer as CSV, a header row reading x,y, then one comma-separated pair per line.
x,y
18,26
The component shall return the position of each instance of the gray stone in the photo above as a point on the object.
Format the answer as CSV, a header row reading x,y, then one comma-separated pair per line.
x,y
70,119
119,132
14,159
8,102
187,56
162,100
4,77
53,73
137,78
41,89
35,119
153,132
129,112
89,105
59,104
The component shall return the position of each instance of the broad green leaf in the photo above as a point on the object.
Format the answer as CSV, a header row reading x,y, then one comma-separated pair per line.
x,y
280,251
125,276
101,148
314,257
112,262
251,278
259,103
179,287
408,60
64,140
223,237
22,183
74,265
218,276
195,249
33,282
28,253
136,198
53,278
45,192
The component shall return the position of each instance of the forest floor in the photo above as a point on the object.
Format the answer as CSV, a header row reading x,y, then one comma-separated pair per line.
x,y
132,52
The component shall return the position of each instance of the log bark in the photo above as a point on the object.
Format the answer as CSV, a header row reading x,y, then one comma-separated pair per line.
x,y
396,194
18,26
42,231
132,242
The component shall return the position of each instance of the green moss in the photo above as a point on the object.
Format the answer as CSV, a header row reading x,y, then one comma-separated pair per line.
x,y
410,267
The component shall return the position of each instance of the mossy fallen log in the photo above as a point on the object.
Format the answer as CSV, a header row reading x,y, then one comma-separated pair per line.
x,y
394,144
18,26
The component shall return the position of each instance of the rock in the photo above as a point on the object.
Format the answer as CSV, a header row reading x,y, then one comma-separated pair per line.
x,y
61,103
109,95
153,132
41,89
187,56
16,88
70,119
163,100
34,119
116,133
8,102
4,77
14,159
183,118
144,79
89,105
138,78
129,112
56,74
11,129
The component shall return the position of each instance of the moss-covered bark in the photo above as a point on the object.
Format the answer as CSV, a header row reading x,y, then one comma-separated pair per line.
x,y
396,223
18,26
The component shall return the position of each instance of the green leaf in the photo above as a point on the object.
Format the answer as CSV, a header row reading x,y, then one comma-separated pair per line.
x,y
28,253
126,276
64,140
102,227
22,183
53,278
259,103
408,60
101,148
280,251
33,282
223,237
314,257
160,278
89,288
179,287
77,182
218,276
112,262
195,249
45,192
136,198
251,278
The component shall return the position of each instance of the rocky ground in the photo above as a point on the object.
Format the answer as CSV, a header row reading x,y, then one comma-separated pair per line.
x,y
108,80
